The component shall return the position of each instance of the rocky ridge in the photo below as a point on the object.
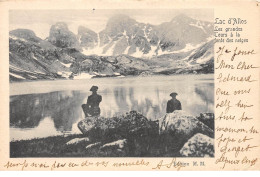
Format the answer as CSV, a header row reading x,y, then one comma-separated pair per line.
x,y
124,47
124,35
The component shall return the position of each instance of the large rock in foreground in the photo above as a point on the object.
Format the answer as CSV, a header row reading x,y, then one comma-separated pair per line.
x,y
119,147
119,144
76,141
133,135
178,127
207,119
137,129
131,123
198,146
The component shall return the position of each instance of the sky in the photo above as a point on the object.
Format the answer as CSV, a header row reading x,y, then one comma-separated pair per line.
x,y
40,21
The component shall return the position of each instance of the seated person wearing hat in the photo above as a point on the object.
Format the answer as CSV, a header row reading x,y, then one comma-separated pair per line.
x,y
173,104
92,106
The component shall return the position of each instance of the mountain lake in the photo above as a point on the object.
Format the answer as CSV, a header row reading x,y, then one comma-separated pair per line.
x,y
47,108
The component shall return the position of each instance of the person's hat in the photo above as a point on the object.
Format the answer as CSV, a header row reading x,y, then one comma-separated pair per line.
x,y
173,94
94,88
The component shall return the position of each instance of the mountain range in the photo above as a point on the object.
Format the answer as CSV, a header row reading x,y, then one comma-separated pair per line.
x,y
124,47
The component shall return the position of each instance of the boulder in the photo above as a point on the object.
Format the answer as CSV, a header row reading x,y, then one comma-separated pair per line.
x,y
93,145
198,146
207,119
119,144
133,135
116,148
76,141
86,124
123,126
178,127
139,132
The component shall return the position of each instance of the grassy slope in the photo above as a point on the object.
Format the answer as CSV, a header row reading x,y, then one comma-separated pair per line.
x,y
56,147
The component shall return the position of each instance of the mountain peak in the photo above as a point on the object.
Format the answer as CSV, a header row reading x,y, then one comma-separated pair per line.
x,y
60,25
182,18
83,29
120,19
25,34
21,32
117,24
61,36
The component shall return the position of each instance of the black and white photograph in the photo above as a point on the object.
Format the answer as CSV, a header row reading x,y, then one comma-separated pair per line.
x,y
111,83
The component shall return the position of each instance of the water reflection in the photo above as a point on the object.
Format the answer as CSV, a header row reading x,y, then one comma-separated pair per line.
x,y
47,114
64,108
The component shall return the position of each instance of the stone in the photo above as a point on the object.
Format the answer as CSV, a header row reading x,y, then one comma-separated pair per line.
x,y
207,119
119,144
178,127
93,145
137,129
198,146
181,122
76,141
122,126
132,134
117,148
86,124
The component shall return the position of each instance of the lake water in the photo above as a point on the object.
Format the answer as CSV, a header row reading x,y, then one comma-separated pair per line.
x,y
47,108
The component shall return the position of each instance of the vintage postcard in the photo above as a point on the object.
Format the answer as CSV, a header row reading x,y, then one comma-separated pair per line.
x,y
129,85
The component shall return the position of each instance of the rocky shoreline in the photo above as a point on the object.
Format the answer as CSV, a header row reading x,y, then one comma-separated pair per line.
x,y
177,134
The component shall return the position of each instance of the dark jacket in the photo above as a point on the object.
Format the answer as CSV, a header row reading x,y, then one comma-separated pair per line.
x,y
94,100
173,105
92,106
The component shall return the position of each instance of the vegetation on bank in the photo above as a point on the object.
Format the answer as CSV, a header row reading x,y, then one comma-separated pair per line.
x,y
56,147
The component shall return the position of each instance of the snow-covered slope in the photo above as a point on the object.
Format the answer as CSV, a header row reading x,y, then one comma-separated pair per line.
x,y
124,35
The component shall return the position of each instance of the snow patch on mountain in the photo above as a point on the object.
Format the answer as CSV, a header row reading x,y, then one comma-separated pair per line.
x,y
161,52
23,70
138,53
204,59
17,76
110,50
126,50
198,26
151,53
67,65
17,38
83,76
34,57
188,47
